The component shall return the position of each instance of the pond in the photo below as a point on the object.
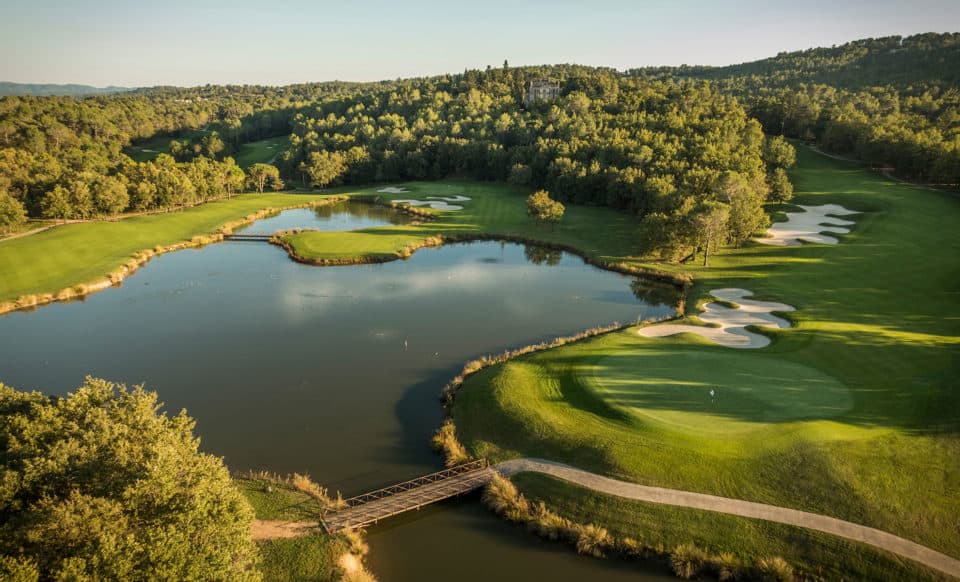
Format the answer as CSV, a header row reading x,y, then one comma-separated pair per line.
x,y
332,371
347,215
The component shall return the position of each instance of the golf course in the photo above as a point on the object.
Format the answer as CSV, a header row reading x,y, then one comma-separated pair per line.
x,y
848,413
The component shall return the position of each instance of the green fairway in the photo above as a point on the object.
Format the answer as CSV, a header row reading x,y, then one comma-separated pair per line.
x,y
72,254
703,393
261,152
851,413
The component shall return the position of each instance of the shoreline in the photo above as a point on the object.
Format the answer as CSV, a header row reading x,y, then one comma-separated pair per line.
x,y
142,257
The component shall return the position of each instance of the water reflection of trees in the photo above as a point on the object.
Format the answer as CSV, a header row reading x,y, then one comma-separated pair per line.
x,y
654,292
361,210
542,255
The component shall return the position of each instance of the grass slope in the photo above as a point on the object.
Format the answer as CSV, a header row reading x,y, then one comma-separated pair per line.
x,y
77,253
852,413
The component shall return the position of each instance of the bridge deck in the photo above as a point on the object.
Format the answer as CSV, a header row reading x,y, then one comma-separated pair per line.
x,y
376,505
248,236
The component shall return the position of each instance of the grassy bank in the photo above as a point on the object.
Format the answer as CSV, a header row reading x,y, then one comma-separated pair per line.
x,y
852,413
73,254
494,212
315,556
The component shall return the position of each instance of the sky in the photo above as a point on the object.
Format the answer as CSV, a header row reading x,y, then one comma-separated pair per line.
x,y
135,43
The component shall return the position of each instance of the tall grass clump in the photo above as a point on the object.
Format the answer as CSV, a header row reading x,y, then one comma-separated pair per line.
x,y
688,561
775,569
593,540
445,441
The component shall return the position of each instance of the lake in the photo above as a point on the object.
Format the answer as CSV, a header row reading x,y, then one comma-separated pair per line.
x,y
334,371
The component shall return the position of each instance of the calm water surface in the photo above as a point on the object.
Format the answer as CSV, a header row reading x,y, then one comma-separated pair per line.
x,y
333,371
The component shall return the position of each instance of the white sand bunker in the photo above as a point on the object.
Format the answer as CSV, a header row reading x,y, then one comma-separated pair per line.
x,y
732,322
437,202
393,190
807,226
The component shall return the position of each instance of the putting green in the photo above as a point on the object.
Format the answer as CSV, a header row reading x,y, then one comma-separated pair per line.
x,y
682,390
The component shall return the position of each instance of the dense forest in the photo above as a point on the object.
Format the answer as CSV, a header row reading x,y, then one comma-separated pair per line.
x,y
681,148
892,102
63,157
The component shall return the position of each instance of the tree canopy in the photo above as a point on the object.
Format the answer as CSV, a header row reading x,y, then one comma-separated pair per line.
x,y
101,484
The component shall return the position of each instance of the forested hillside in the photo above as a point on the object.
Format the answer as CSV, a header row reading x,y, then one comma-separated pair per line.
x,y
681,148
63,157
46,89
893,60
893,102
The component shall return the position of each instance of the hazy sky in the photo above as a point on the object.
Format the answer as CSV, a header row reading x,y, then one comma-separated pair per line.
x,y
184,42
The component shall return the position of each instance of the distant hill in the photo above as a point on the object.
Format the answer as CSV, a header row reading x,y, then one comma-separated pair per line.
x,y
893,60
7,88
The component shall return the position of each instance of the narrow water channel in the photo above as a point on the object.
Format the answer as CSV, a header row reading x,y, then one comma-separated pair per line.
x,y
333,371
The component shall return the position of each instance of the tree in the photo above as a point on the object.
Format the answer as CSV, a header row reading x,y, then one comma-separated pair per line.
x,y
779,153
110,195
325,167
781,190
745,201
12,213
234,178
544,208
56,204
520,175
709,223
213,145
102,485
260,176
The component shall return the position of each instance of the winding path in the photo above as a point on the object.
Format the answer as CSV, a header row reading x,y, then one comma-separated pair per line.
x,y
270,529
845,529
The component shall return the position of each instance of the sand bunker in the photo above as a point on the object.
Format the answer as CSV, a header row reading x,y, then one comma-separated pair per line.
x,y
393,190
807,226
437,202
732,322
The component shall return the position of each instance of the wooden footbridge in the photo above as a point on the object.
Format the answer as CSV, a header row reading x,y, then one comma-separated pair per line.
x,y
243,236
383,503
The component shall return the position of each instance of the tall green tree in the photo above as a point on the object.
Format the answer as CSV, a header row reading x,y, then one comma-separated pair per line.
x,y
710,226
781,189
56,204
101,485
325,167
543,208
260,176
12,213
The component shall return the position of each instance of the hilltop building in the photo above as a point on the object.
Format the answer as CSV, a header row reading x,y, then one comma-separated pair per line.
x,y
542,89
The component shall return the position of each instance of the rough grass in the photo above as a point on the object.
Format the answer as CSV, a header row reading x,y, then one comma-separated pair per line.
x,y
875,327
307,558
271,498
304,559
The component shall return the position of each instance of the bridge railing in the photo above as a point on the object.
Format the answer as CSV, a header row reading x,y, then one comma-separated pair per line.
x,y
418,482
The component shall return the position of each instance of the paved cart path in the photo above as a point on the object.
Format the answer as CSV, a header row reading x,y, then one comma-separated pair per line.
x,y
838,527
265,529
